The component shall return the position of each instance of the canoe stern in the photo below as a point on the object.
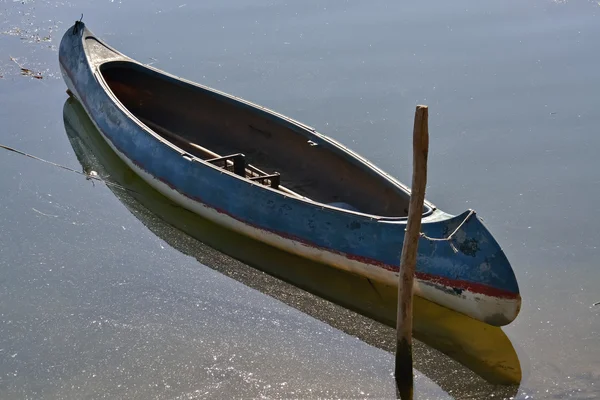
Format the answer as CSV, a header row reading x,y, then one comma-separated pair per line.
x,y
460,260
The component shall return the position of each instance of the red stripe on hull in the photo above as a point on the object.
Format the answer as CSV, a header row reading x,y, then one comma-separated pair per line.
x,y
473,287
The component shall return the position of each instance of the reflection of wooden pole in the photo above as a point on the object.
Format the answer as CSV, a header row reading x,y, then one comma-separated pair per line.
x,y
408,260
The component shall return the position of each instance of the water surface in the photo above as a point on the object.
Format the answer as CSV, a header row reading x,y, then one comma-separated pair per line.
x,y
91,299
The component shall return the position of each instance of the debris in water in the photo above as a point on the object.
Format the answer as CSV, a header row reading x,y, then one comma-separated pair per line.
x,y
47,215
27,71
29,35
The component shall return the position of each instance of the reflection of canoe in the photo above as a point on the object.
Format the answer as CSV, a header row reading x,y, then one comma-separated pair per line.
x,y
483,348
276,180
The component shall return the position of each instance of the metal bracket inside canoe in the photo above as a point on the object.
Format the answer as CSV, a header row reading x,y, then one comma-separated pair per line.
x,y
274,179
238,160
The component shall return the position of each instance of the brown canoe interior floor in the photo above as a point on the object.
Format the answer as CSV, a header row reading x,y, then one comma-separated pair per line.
x,y
209,126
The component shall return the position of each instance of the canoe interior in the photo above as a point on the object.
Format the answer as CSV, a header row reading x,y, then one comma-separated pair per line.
x,y
209,125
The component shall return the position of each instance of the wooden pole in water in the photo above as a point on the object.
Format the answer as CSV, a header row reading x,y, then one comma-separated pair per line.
x,y
408,259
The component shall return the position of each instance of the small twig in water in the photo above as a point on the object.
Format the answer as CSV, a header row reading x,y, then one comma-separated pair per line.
x,y
89,175
27,71
47,215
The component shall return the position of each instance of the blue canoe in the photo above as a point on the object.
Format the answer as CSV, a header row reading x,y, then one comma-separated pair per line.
x,y
279,181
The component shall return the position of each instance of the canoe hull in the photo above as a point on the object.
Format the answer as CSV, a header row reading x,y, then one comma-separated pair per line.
x,y
471,276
